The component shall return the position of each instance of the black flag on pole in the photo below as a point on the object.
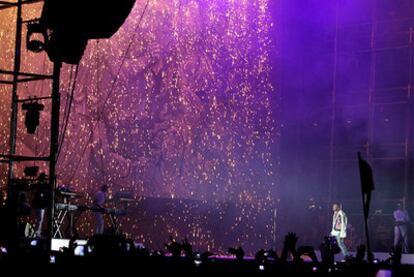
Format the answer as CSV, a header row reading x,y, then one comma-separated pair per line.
x,y
367,186
367,183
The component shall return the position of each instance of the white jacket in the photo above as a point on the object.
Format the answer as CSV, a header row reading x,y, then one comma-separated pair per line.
x,y
339,223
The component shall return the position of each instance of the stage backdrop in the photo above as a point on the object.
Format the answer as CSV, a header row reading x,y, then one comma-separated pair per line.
x,y
175,108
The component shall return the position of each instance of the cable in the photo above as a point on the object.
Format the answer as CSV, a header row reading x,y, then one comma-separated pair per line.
x,y
110,92
66,122
67,100
67,89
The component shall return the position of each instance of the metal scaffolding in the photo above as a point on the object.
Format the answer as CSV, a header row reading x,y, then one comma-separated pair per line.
x,y
383,43
12,158
347,87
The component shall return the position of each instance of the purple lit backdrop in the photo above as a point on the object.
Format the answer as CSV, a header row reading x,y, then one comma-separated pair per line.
x,y
196,128
175,108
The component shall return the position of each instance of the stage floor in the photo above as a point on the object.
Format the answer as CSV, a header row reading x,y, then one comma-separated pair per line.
x,y
405,259
408,259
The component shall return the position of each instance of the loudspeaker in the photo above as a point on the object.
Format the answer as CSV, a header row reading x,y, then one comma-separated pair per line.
x,y
73,22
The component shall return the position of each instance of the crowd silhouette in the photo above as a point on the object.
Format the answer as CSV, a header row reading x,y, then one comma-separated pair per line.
x,y
112,253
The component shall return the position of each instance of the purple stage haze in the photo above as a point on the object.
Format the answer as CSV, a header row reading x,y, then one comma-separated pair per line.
x,y
346,86
233,122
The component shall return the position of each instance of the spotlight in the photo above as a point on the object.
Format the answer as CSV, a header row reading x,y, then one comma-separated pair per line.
x,y
34,242
31,171
32,115
33,44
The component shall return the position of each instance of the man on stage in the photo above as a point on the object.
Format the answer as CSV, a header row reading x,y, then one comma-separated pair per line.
x,y
402,220
339,223
40,202
99,203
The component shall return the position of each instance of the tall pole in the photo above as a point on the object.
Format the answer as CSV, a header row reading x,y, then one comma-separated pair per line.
x,y
11,198
367,186
54,144
331,168
365,204
366,221
274,225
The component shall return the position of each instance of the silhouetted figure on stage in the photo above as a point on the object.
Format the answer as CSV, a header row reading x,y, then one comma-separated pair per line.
x,y
40,203
99,203
402,219
339,224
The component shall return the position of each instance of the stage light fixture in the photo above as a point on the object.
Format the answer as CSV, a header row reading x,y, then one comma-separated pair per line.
x,y
32,43
31,171
32,115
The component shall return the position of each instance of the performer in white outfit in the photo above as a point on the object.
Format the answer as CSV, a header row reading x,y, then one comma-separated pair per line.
x,y
402,219
339,224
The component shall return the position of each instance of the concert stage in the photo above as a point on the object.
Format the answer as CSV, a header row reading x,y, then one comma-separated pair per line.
x,y
221,123
407,259
58,244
